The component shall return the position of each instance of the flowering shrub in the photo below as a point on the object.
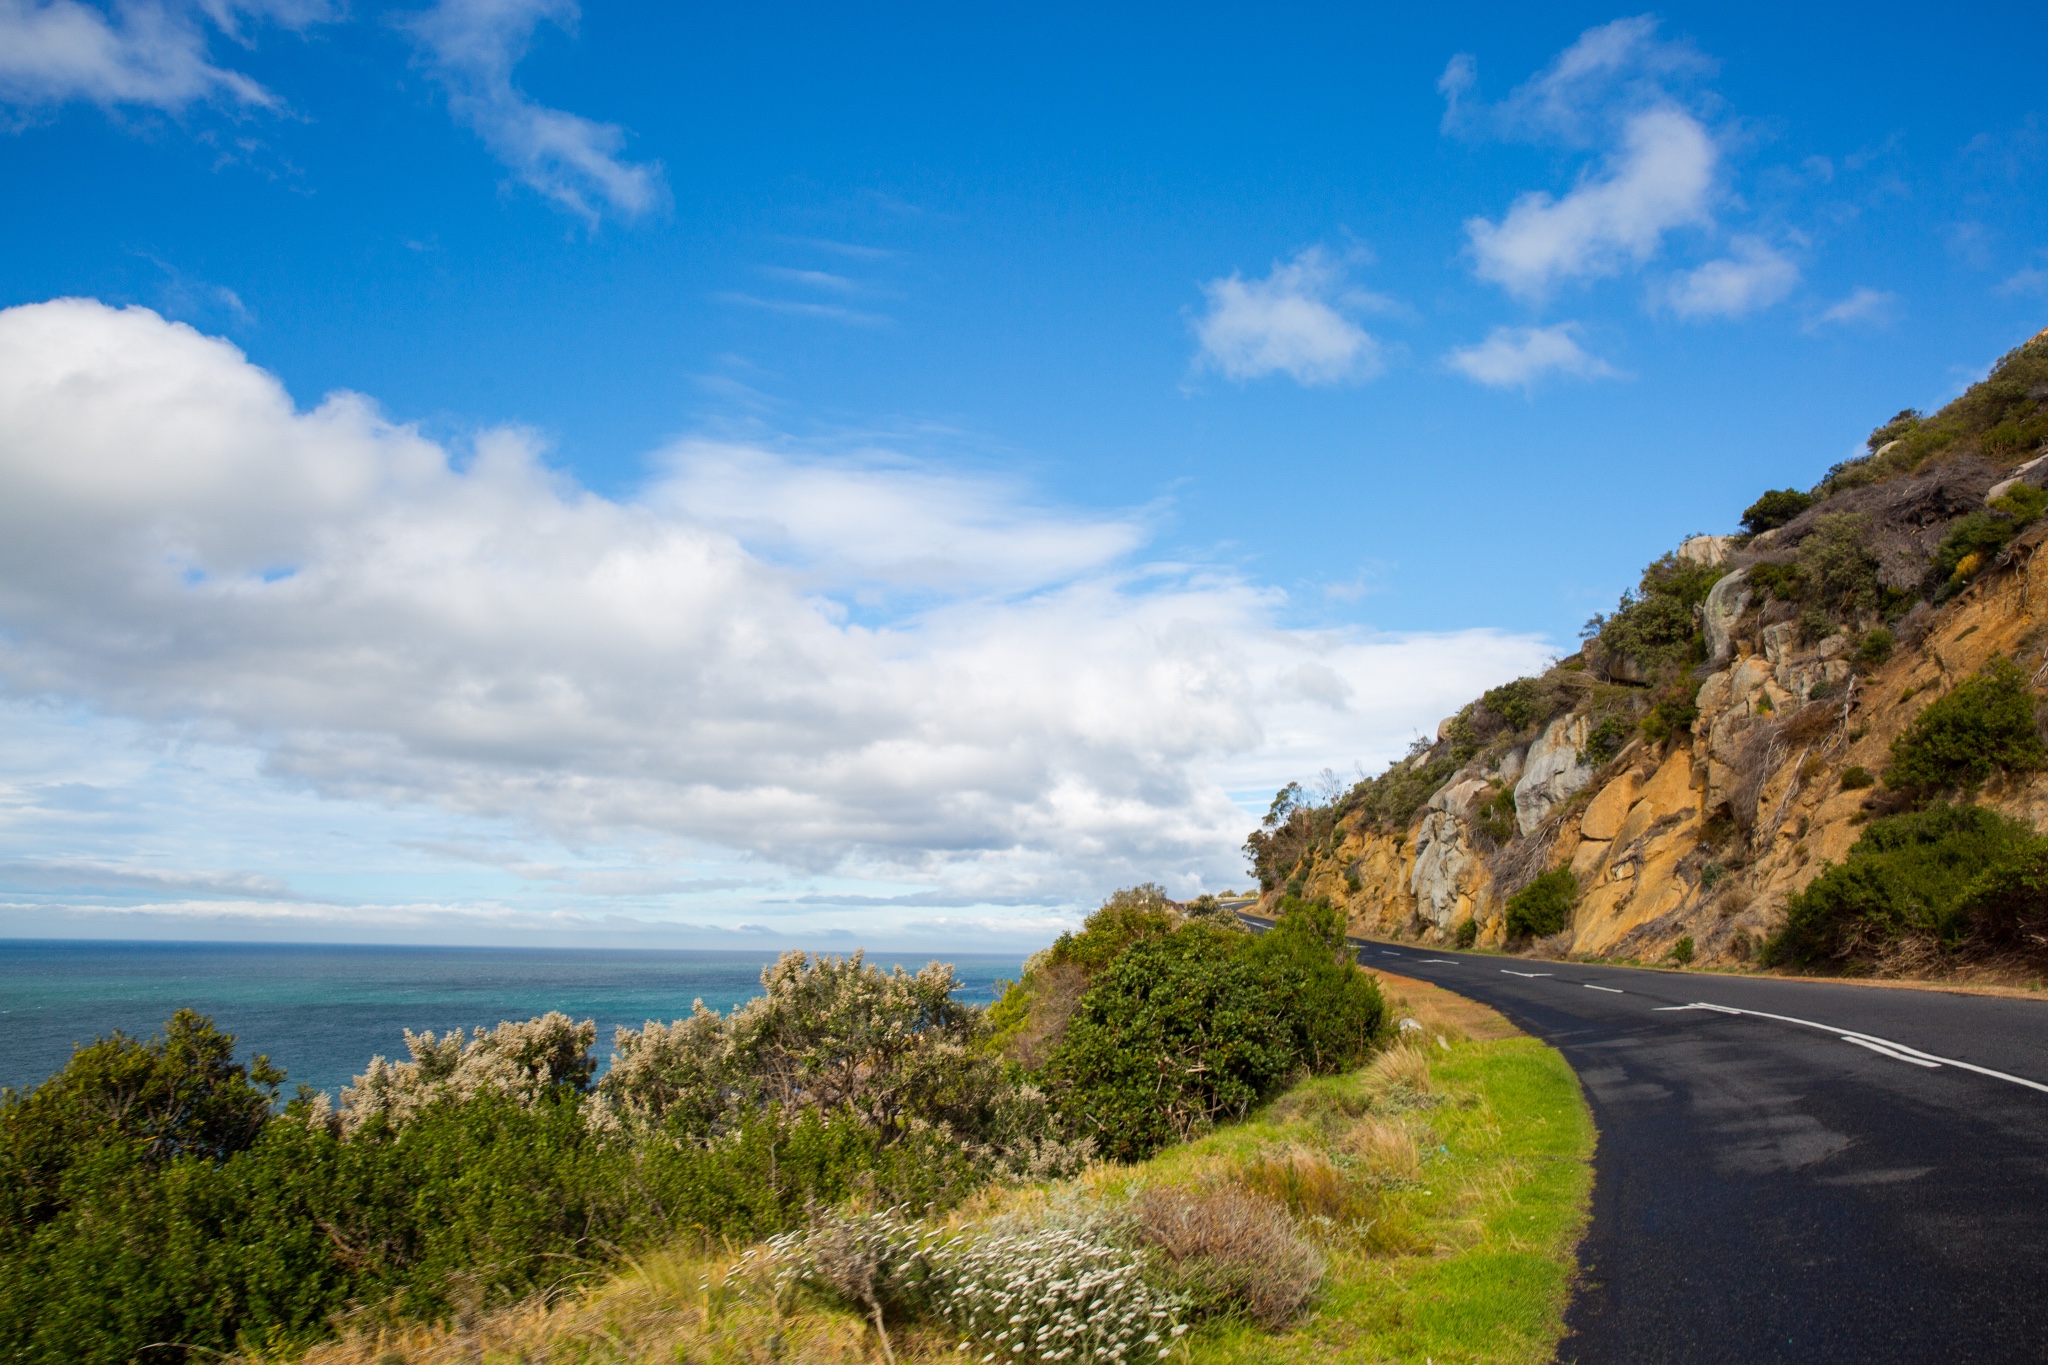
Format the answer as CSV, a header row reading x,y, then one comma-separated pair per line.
x,y
894,1051
1038,1293
527,1061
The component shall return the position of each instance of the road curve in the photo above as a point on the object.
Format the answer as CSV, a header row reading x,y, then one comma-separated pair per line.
x,y
1792,1170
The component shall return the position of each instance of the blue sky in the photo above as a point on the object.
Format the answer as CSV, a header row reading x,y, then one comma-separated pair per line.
x,y
655,471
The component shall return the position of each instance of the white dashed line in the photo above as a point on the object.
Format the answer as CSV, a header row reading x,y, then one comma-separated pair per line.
x,y
1448,962
1611,990
1531,975
1898,1051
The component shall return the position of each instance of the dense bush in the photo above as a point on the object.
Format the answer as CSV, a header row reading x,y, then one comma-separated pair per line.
x,y
1607,738
1953,877
1986,726
1655,625
1184,1031
1544,906
1129,916
1974,539
1875,647
1526,702
1774,509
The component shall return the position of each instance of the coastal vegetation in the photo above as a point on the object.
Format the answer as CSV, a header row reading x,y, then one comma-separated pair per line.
x,y
1423,1206
160,1203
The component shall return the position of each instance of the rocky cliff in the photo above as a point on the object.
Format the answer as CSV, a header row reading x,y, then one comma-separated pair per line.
x,y
1722,736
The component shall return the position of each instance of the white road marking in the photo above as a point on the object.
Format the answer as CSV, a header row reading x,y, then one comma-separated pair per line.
x,y
1887,1052
1532,975
1447,961
1611,990
1872,1041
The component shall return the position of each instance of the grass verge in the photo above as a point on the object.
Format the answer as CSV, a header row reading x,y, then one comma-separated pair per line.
x,y
1444,1189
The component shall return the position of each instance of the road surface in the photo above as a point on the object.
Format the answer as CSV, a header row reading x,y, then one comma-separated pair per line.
x,y
1793,1170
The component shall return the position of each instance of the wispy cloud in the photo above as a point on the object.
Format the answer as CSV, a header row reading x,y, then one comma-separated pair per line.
x,y
2032,279
815,279
800,308
1516,357
1617,66
1296,321
472,48
1863,305
146,53
1753,275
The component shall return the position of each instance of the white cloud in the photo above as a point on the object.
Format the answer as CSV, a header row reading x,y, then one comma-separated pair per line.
x,y
1294,322
1516,357
1022,711
1660,178
1620,65
472,47
145,53
2031,279
1863,305
1752,276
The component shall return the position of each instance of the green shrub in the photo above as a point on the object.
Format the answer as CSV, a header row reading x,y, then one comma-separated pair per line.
x,y
1681,951
1495,817
1179,1033
1874,647
1544,906
1972,541
1525,702
1607,739
1779,578
1307,963
1712,876
1128,916
1467,933
1672,715
1855,778
1931,875
1984,727
1774,509
1654,624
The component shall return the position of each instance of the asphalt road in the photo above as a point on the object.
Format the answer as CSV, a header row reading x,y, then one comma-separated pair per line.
x,y
1833,1173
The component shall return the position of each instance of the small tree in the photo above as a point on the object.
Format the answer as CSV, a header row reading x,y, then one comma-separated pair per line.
x,y
1774,509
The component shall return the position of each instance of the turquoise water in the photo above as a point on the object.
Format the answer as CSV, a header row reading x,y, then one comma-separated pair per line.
x,y
321,1012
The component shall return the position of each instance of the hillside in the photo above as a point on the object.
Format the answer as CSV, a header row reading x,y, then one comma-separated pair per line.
x,y
1852,682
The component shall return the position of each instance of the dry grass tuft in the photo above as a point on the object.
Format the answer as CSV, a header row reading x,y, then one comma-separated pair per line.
x,y
1229,1251
1401,1073
1385,1151
1305,1181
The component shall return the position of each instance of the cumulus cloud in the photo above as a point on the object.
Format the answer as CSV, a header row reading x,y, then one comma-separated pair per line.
x,y
472,47
1516,357
1296,321
147,53
1752,276
1621,90
1029,710
1659,178
1862,305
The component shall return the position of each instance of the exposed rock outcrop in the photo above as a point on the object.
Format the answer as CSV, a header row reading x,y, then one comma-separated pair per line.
x,y
1553,770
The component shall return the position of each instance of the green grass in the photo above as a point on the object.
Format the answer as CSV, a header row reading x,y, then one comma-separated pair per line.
x,y
1484,1250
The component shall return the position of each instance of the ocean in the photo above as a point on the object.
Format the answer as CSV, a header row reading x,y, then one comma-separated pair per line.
x,y
321,1012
